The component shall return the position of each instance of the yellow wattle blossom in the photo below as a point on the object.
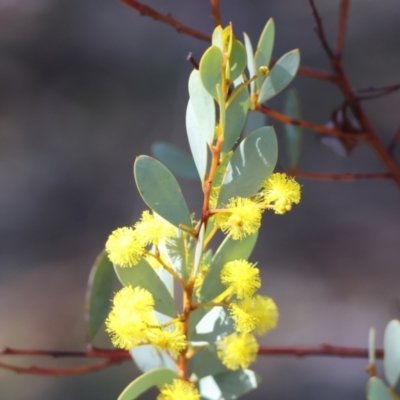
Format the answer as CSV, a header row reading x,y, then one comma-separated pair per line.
x,y
258,314
237,351
124,247
179,390
242,277
241,218
173,340
280,191
132,312
154,229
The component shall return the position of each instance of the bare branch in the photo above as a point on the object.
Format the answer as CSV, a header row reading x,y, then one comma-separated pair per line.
x,y
393,143
347,177
307,125
215,12
166,19
341,33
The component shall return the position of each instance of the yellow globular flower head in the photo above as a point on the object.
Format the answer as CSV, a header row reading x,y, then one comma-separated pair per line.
x,y
179,390
242,218
242,277
256,314
154,229
173,340
237,351
131,313
124,247
281,191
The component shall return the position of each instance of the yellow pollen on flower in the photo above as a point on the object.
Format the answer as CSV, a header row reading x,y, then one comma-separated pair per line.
x,y
242,277
173,340
131,313
237,351
258,314
124,247
280,191
179,390
153,229
241,218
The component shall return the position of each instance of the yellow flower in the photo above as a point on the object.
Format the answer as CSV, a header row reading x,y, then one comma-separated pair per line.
x,y
241,218
280,191
153,229
257,314
124,247
242,277
237,351
172,340
131,313
179,390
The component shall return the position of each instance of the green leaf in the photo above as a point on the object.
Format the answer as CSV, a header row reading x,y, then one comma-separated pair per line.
x,y
229,250
266,41
281,75
215,325
216,39
250,60
391,346
203,106
237,60
160,191
376,390
176,160
371,346
293,133
99,292
236,112
228,385
252,162
199,250
197,142
253,121
175,253
207,363
144,276
211,69
148,358
259,61
222,108
158,377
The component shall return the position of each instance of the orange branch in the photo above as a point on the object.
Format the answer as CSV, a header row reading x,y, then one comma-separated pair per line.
x,y
166,19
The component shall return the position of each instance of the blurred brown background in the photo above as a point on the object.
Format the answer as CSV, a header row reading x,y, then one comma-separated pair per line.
x,y
85,86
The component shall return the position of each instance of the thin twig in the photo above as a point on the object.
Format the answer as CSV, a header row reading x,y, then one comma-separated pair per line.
x,y
347,177
191,59
394,141
379,92
215,12
341,33
320,30
166,19
307,125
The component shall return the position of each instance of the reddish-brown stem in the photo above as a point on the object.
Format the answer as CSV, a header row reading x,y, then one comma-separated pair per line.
x,y
320,30
341,33
347,177
393,142
166,19
215,12
307,125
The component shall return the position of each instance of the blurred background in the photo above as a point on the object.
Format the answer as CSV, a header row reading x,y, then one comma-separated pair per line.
x,y
86,86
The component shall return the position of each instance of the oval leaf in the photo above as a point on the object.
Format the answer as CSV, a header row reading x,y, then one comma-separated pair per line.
x,y
216,39
197,142
98,294
158,377
207,363
259,61
376,390
160,191
211,69
229,250
203,106
176,160
281,75
293,133
250,60
148,358
236,113
228,385
371,346
391,346
143,275
266,41
252,162
237,60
